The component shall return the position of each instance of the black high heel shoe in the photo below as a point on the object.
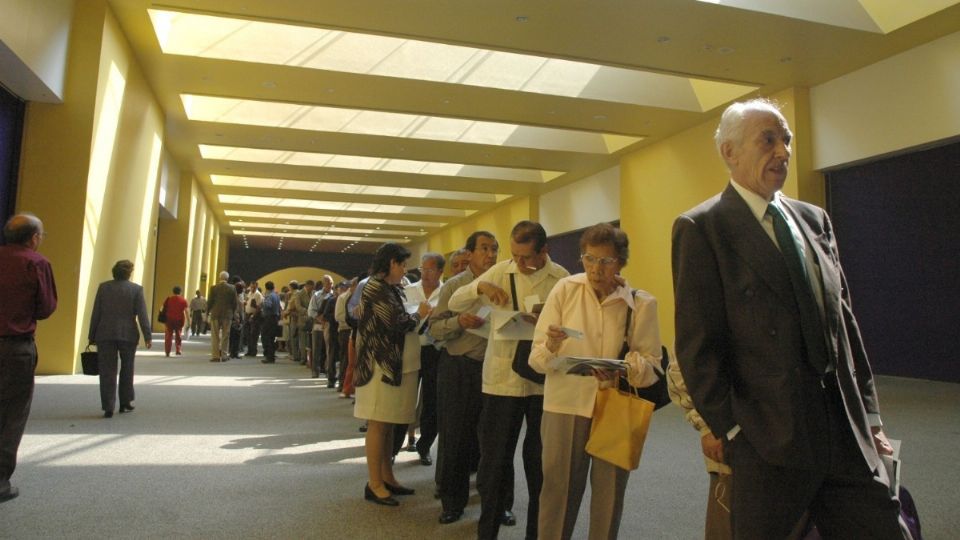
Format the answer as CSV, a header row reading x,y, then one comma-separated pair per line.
x,y
126,408
399,490
369,495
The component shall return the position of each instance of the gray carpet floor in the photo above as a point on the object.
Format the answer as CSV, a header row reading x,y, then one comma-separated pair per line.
x,y
247,450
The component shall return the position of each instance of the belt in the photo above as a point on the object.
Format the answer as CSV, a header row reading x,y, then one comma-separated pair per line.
x,y
21,337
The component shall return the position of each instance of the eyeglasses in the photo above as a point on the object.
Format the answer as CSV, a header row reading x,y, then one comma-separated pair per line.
x,y
602,261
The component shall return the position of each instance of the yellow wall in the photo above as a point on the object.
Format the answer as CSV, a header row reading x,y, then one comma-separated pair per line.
x,y
90,172
499,221
663,180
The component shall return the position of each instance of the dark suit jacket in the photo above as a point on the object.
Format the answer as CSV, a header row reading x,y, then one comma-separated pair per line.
x,y
739,341
117,309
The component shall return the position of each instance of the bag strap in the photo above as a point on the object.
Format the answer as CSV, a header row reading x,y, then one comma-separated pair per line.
x,y
513,292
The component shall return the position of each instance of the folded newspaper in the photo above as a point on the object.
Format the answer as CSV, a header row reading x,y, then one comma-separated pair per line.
x,y
584,365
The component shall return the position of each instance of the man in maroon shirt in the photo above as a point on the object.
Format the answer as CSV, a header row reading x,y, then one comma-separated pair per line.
x,y
31,295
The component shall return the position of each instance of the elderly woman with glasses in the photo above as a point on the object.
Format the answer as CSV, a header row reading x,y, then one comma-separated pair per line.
x,y
595,303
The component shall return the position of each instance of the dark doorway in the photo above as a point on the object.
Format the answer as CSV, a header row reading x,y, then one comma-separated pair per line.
x,y
11,133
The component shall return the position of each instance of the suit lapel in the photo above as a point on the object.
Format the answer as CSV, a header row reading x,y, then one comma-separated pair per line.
x,y
751,243
821,244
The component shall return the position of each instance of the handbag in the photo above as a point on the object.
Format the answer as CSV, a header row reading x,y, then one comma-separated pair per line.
x,y
657,393
521,358
162,317
619,428
89,362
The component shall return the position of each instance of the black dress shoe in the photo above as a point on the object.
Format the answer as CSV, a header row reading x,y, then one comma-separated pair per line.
x,y
426,460
11,493
108,414
126,408
450,516
508,519
369,495
399,490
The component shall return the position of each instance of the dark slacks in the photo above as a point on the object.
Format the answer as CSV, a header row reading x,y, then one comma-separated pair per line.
x,y
18,360
318,353
845,498
500,423
235,339
107,352
332,351
459,383
196,323
268,335
253,334
429,355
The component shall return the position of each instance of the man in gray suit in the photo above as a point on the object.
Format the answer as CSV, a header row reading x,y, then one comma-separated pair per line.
x,y
221,308
770,349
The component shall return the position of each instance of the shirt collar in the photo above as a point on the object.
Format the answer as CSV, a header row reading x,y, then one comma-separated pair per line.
x,y
758,205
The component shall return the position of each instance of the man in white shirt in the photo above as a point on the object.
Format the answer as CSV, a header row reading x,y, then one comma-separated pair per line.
x,y
427,290
251,307
520,284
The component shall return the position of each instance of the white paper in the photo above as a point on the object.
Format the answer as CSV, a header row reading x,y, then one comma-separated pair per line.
x,y
530,303
570,332
513,325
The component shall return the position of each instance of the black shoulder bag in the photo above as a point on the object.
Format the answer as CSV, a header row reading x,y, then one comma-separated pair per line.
x,y
521,358
656,393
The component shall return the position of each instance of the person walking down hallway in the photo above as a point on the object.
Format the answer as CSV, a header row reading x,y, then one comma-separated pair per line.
x,y
118,309
270,310
220,309
175,308
198,309
31,296
770,350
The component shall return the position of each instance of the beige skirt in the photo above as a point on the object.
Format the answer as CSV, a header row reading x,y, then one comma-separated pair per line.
x,y
381,402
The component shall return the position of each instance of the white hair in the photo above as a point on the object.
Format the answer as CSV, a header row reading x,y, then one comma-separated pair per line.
x,y
732,124
224,276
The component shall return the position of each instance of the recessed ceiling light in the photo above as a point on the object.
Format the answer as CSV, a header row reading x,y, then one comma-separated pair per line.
x,y
725,50
599,117
785,60
663,40
522,18
268,84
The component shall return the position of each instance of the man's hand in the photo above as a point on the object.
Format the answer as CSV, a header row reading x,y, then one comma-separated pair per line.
x,y
496,295
469,320
555,337
884,448
712,447
149,344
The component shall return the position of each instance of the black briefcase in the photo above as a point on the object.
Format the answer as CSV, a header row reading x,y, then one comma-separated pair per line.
x,y
88,359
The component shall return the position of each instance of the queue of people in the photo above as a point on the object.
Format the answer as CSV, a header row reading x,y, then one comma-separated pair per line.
x,y
770,366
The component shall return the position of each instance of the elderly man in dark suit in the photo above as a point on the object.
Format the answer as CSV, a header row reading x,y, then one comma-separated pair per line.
x,y
771,351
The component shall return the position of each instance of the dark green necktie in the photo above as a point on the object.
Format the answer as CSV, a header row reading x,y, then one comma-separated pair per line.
x,y
810,322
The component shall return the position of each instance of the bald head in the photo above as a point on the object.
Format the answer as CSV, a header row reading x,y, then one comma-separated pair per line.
x,y
24,229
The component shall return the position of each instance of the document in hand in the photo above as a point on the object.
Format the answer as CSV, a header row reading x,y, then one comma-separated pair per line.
x,y
483,331
513,325
584,365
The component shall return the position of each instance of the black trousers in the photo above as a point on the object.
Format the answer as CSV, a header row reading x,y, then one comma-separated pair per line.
x,y
253,333
318,353
107,352
332,355
268,335
459,383
196,323
429,355
500,423
18,360
845,499
235,338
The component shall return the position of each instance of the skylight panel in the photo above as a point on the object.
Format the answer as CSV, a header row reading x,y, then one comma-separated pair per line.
x,y
313,159
354,189
291,204
334,219
210,36
365,122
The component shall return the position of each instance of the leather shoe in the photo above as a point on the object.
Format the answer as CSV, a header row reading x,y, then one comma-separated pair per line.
x,y
508,519
450,516
399,490
126,408
108,414
426,460
11,493
369,495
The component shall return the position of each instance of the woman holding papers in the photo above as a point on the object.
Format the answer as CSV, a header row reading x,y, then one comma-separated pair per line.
x,y
585,315
386,378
